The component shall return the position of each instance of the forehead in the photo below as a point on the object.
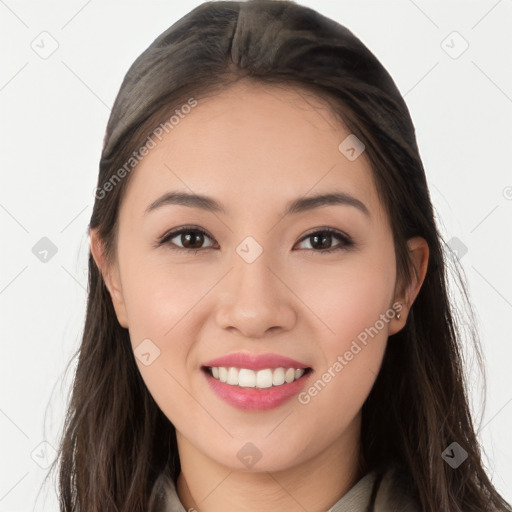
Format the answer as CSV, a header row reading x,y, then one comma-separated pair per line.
x,y
254,147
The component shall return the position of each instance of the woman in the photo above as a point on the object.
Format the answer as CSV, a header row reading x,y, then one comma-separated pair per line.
x,y
268,324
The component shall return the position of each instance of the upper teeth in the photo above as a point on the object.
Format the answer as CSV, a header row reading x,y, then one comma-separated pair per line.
x,y
246,378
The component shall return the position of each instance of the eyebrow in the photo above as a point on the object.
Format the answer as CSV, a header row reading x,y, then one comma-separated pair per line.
x,y
299,205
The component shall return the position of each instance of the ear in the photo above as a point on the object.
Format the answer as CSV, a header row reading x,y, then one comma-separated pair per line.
x,y
419,253
110,274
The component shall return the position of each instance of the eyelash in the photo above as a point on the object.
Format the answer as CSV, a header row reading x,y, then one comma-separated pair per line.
x,y
165,239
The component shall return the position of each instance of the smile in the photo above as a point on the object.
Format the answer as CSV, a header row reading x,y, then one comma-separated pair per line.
x,y
251,390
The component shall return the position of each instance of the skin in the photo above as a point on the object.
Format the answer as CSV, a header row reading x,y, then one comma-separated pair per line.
x,y
255,148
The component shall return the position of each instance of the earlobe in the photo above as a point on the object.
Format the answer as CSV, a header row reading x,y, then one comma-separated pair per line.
x,y
419,254
110,274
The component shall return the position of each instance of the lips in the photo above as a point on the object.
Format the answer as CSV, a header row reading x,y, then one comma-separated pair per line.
x,y
255,361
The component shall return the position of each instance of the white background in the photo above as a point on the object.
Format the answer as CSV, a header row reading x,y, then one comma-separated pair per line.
x,y
53,117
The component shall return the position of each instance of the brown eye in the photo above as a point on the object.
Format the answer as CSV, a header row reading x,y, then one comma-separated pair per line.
x,y
321,240
191,239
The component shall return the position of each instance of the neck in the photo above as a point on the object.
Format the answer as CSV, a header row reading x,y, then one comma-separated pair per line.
x,y
314,485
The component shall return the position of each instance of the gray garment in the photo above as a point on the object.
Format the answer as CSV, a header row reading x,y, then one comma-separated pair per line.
x,y
391,496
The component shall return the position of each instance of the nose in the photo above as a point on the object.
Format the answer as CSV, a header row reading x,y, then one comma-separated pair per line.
x,y
255,300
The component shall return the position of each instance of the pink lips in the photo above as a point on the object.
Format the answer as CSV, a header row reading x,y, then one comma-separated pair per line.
x,y
255,362
254,398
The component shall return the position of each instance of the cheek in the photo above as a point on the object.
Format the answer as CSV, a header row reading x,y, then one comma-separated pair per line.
x,y
352,302
158,297
350,297
162,302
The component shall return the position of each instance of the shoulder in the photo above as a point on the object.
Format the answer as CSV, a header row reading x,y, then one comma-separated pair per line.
x,y
394,493
164,497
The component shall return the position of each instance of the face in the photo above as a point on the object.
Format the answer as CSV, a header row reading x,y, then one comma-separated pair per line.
x,y
253,278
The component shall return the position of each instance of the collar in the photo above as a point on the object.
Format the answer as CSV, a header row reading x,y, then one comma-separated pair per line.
x,y
390,495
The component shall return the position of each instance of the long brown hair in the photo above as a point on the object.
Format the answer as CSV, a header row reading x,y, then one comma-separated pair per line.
x,y
116,440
